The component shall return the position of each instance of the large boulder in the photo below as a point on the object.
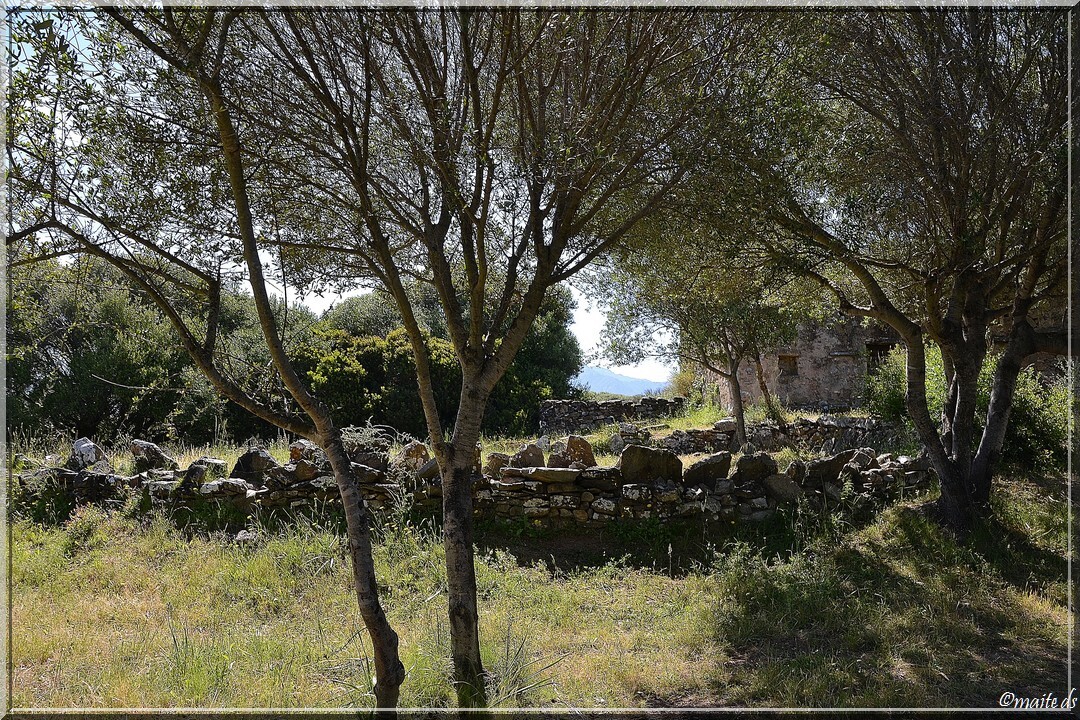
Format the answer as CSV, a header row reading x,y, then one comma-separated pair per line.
x,y
529,455
649,466
754,468
87,454
253,464
708,471
149,456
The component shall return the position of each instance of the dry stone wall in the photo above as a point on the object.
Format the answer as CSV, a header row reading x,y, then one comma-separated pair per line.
x,y
560,488
564,416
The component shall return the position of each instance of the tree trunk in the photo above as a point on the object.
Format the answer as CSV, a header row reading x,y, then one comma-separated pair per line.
x,y
997,415
770,402
457,489
389,671
737,403
955,505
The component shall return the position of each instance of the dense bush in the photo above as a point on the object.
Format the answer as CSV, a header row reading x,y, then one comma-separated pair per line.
x,y
374,378
1037,432
86,354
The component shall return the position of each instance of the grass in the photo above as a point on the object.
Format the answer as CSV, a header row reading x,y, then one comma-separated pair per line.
x,y
111,610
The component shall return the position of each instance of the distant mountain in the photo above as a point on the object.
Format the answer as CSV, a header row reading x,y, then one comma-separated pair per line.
x,y
600,379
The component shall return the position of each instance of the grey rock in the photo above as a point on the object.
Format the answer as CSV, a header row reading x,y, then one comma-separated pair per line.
x,y
708,471
650,466
495,462
87,454
579,450
558,460
827,469
215,468
245,537
725,425
195,475
428,470
412,456
755,467
304,469
149,456
529,455
782,487
636,493
253,464
603,506
543,474
600,478
306,450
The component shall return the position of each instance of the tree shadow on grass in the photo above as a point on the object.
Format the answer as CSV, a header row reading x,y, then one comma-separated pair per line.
x,y
898,617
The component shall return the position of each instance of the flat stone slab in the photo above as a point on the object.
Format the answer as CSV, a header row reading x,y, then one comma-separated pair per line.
x,y
543,474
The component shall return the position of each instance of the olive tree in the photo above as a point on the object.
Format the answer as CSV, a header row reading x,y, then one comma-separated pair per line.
x,y
488,154
929,192
491,155
128,152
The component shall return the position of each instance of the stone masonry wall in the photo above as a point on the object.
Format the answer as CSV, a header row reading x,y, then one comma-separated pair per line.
x,y
569,415
824,368
562,487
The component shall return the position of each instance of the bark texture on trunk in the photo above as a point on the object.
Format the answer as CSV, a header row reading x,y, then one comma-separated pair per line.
x,y
457,458
389,671
469,677
771,405
737,404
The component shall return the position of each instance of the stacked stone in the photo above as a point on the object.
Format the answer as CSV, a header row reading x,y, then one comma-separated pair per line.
x,y
571,415
691,442
562,487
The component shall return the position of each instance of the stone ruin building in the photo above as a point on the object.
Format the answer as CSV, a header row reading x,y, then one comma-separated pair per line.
x,y
824,368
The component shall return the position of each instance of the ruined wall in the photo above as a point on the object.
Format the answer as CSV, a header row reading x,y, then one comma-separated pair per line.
x,y
561,487
569,415
824,368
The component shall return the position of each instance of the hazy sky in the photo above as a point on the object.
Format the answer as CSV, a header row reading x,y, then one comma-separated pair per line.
x,y
586,326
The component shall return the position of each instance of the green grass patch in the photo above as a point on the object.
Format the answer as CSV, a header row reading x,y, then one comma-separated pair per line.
x,y
116,611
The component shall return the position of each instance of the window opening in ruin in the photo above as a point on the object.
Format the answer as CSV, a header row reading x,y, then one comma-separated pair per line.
x,y
876,353
789,365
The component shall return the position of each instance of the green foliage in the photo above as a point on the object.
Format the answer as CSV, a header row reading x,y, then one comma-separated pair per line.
x,y
84,354
374,378
87,355
1037,431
